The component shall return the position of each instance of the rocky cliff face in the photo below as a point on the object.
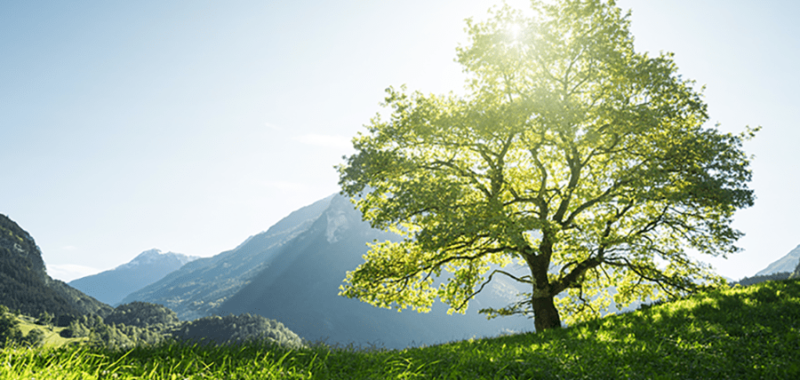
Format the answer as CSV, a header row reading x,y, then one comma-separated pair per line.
x,y
25,285
112,286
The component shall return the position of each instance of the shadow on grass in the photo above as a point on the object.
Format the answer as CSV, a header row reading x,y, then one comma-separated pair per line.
x,y
743,332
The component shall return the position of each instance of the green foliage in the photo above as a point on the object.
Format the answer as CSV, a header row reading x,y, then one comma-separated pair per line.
x,y
112,337
45,319
143,314
572,154
734,333
796,273
9,328
34,338
236,329
75,330
150,325
20,329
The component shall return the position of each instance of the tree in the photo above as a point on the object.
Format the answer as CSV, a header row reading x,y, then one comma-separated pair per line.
x,y
571,154
45,318
9,328
35,337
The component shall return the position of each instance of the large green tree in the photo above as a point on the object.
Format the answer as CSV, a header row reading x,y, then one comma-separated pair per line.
x,y
583,160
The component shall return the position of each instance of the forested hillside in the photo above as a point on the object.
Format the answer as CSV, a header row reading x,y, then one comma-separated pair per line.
x,y
235,329
762,278
141,324
25,285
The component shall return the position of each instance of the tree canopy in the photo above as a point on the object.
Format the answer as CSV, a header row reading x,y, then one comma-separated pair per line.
x,y
571,154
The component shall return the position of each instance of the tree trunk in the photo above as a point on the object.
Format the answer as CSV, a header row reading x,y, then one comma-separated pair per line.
x,y
545,314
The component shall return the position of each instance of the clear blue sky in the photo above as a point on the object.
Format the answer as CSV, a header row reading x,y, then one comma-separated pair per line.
x,y
190,125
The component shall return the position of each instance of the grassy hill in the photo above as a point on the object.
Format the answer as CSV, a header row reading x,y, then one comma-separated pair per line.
x,y
737,333
51,335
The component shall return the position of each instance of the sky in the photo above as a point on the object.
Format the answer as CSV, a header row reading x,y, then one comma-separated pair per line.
x,y
188,126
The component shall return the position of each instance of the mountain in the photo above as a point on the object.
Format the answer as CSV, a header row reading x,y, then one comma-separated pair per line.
x,y
25,285
113,285
292,272
197,288
300,288
784,264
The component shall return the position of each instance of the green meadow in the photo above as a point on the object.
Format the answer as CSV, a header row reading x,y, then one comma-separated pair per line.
x,y
51,335
735,333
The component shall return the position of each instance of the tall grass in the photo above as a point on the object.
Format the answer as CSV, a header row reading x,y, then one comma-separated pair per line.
x,y
737,333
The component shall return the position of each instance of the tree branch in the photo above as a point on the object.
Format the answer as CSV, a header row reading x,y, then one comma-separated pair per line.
x,y
520,279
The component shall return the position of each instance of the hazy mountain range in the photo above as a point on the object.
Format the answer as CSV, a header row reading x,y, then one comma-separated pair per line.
x,y
199,287
292,273
113,285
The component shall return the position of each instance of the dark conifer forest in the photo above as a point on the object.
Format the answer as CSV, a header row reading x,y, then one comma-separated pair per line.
x,y
25,285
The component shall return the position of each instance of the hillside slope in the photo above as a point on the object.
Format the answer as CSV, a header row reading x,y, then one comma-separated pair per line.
x,y
300,288
25,285
786,263
200,286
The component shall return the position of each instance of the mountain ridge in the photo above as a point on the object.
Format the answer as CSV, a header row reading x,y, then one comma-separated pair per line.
x,y
787,263
200,286
155,254
113,285
301,290
303,261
